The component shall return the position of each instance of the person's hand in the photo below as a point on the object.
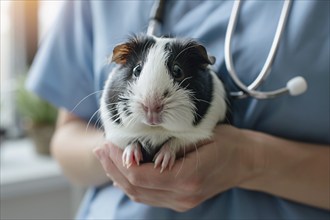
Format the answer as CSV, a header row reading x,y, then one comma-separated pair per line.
x,y
201,174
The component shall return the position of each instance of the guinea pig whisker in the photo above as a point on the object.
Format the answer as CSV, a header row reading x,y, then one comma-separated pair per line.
x,y
132,121
177,106
182,161
201,100
197,114
184,90
177,116
183,63
182,51
98,123
114,116
197,157
171,117
112,106
110,119
123,97
93,93
187,91
190,77
90,120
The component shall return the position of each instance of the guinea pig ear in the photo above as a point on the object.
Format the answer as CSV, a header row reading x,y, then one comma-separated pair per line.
x,y
212,59
208,59
120,53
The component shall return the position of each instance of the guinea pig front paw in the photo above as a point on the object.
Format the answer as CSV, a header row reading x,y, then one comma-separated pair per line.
x,y
165,157
132,154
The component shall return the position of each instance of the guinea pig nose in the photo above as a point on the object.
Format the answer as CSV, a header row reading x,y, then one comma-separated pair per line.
x,y
153,107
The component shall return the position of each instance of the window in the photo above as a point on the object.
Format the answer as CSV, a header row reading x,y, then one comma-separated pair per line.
x,y
9,56
48,12
23,24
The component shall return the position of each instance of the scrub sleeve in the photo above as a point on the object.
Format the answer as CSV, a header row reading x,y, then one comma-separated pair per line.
x,y
63,73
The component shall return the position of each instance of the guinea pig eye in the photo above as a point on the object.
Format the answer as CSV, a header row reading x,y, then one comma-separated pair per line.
x,y
137,70
177,73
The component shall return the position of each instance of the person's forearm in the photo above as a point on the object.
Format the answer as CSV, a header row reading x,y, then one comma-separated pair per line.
x,y
72,146
292,170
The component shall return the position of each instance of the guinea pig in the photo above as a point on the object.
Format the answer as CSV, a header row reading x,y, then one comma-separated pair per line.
x,y
161,97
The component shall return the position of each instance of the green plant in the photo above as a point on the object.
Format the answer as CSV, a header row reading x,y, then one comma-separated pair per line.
x,y
33,108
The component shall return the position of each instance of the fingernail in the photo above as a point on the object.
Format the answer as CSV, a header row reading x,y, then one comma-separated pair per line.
x,y
114,184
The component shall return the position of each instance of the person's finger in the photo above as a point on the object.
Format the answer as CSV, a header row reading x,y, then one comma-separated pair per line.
x,y
109,167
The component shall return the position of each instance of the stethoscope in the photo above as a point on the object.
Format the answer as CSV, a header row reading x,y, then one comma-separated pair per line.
x,y
294,86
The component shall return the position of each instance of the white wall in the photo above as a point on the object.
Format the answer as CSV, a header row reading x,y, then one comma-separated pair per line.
x,y
33,186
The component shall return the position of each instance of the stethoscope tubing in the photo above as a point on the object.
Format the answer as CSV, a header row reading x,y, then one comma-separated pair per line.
x,y
250,89
156,17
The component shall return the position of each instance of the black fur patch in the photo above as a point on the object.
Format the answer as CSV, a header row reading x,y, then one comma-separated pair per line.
x,y
138,50
193,61
148,151
117,84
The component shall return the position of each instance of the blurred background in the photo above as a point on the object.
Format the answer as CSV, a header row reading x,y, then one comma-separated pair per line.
x,y
32,185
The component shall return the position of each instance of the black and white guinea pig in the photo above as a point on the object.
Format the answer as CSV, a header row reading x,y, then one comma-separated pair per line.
x,y
161,96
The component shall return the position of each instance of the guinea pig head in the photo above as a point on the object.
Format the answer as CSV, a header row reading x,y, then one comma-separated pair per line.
x,y
163,82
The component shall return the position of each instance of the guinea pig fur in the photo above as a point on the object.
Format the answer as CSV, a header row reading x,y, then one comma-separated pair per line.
x,y
161,96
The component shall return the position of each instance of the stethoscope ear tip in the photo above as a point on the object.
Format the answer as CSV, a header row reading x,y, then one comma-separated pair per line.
x,y
296,86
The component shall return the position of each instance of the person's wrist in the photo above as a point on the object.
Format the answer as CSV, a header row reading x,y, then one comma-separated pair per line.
x,y
254,159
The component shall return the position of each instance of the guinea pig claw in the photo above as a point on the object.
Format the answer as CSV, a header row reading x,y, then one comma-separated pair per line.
x,y
164,158
138,155
131,154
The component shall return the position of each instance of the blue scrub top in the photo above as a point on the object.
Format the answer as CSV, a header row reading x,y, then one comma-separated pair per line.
x,y
71,65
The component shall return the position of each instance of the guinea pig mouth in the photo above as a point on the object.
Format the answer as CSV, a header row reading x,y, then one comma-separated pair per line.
x,y
153,118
